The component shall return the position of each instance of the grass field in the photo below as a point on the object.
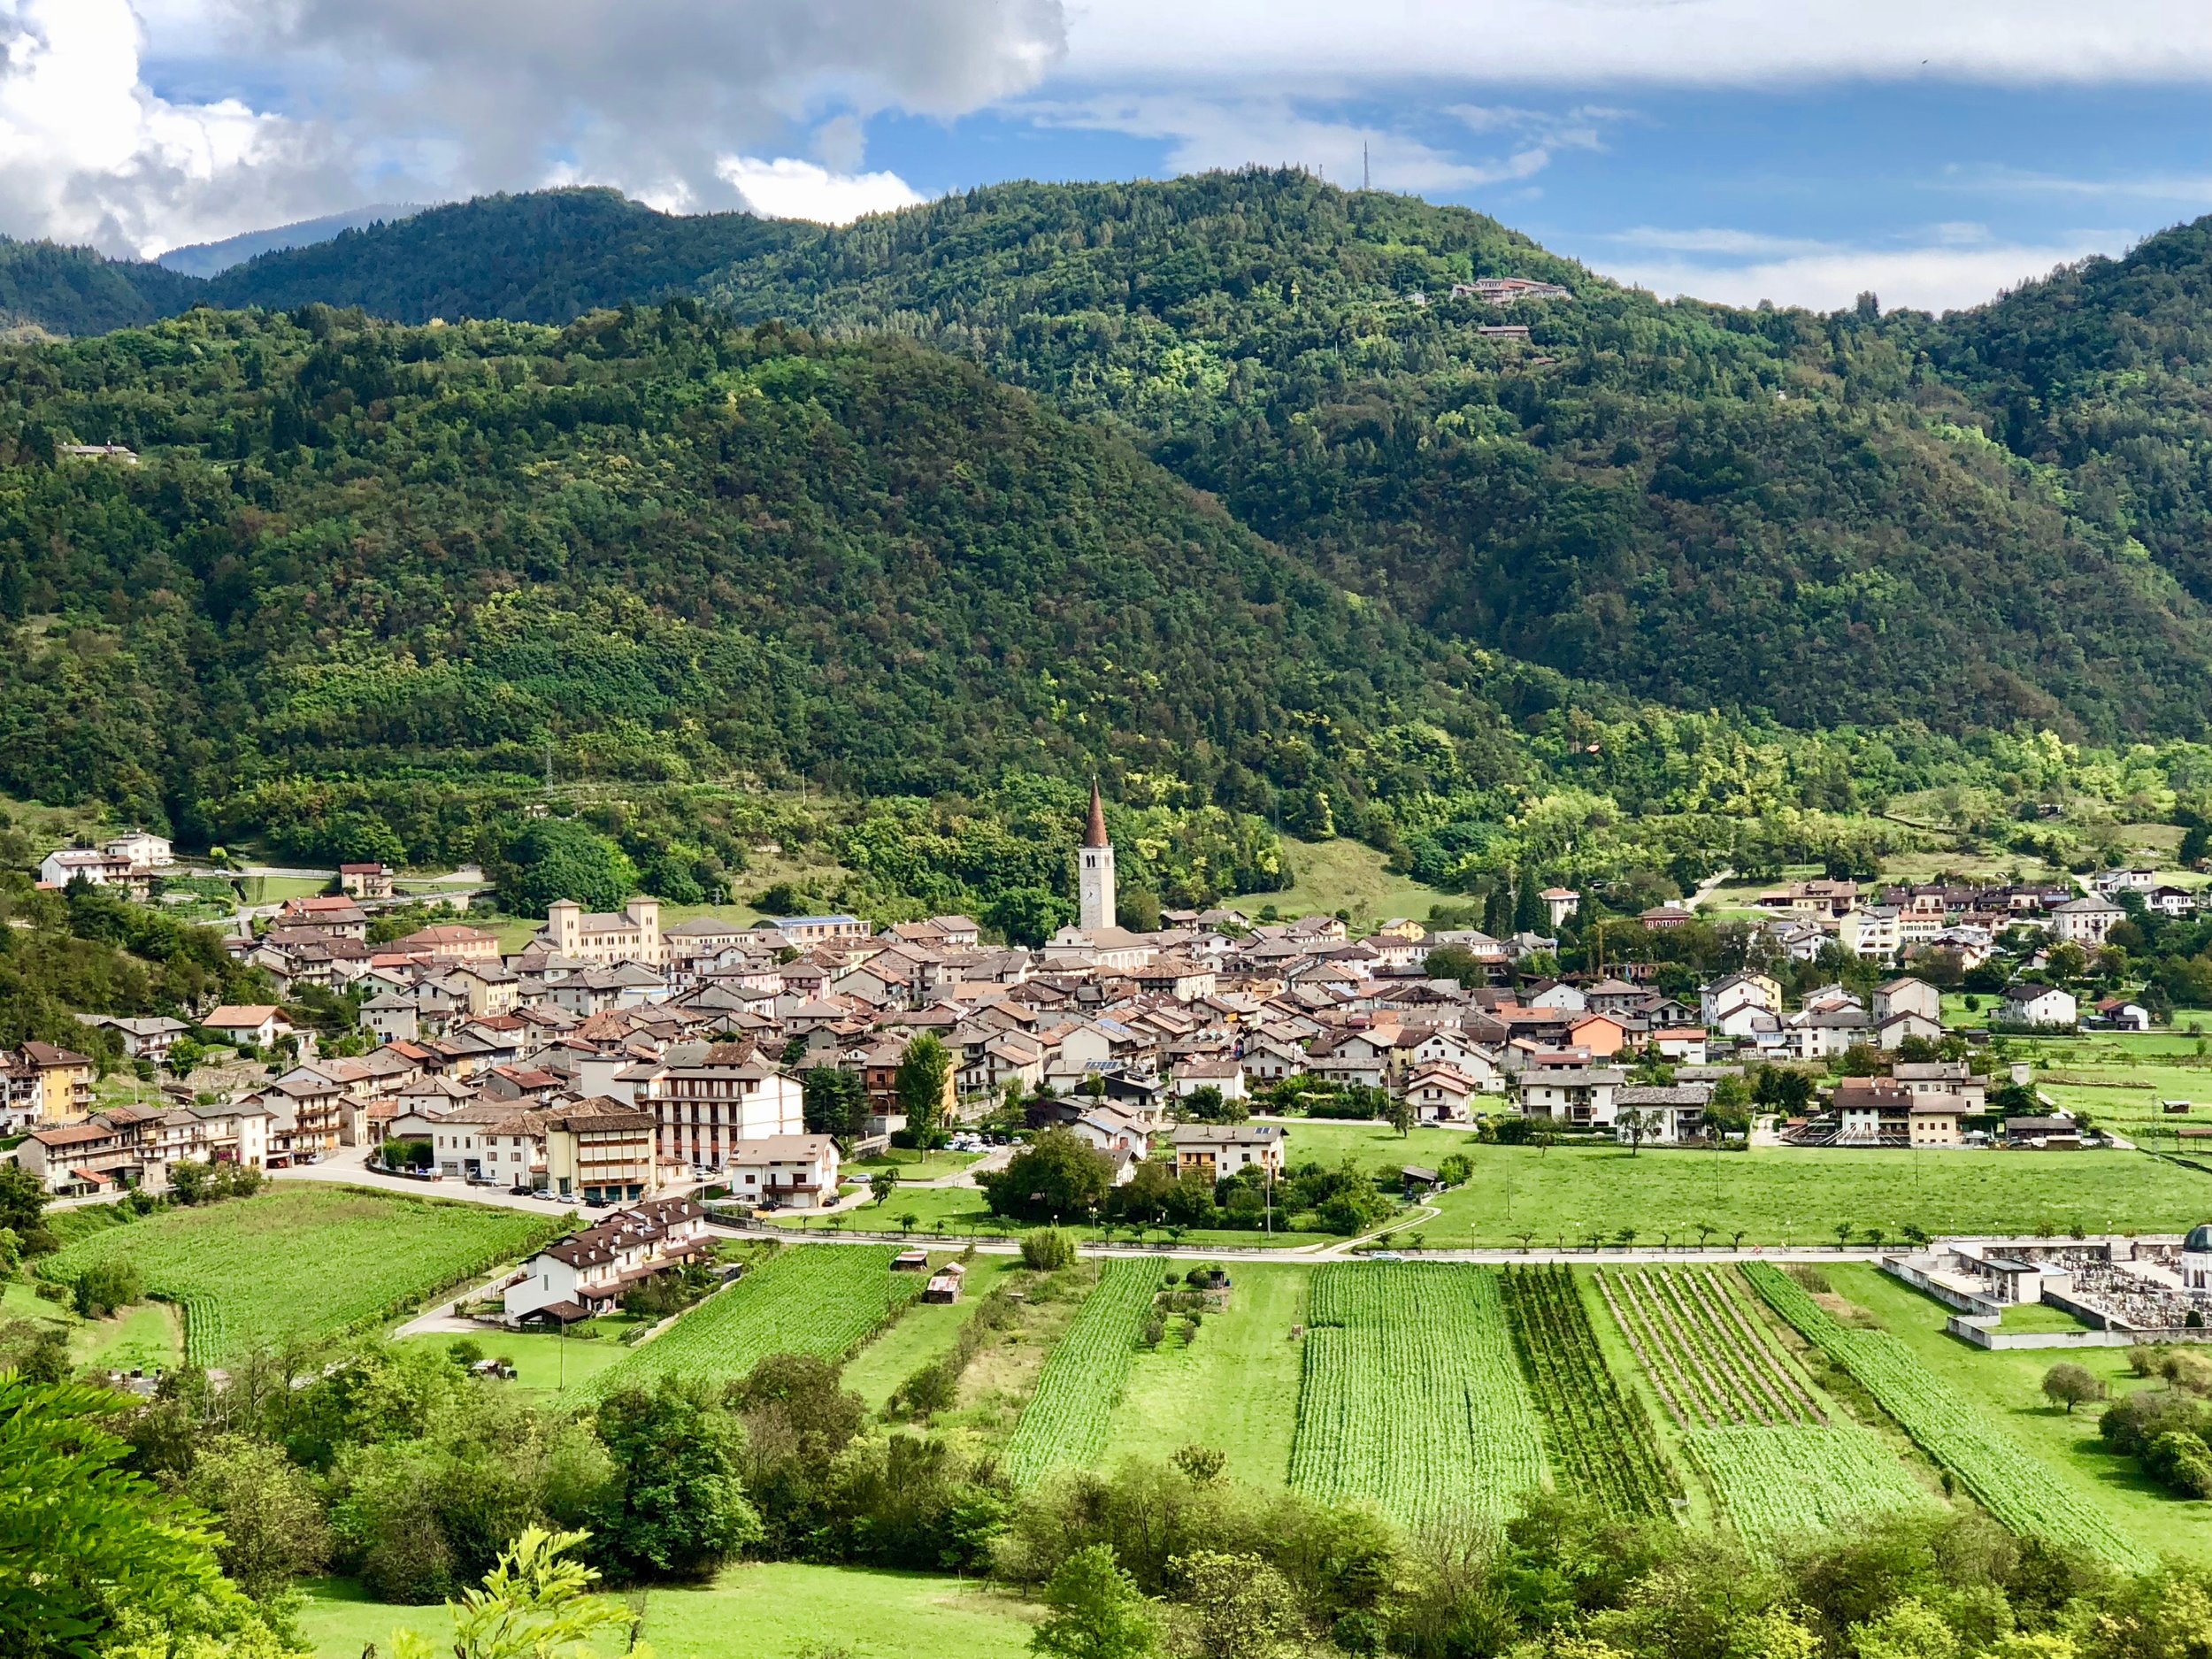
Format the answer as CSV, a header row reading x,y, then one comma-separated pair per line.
x,y
1798,1196
546,1366
760,1610
1346,875
303,1261
923,1332
2007,1385
146,1338
914,1165
1234,1389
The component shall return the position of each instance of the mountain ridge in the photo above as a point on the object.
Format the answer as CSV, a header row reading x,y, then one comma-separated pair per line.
x,y
1826,521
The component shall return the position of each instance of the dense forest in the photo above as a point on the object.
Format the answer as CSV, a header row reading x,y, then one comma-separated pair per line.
x,y
1230,501
1850,518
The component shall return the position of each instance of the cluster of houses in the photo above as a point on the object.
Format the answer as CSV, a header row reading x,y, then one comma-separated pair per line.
x,y
129,863
1884,924
612,1055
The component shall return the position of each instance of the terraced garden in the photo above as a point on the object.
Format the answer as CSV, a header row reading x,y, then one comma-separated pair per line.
x,y
1412,1397
1599,1439
825,1299
2010,1482
303,1261
1064,1424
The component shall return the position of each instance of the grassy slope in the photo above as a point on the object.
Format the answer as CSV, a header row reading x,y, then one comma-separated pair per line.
x,y
1346,875
2007,1385
1235,1389
306,1261
761,1611
1797,1197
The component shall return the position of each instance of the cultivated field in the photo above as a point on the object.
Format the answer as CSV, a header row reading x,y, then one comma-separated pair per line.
x,y
1779,1462
1600,1438
303,1261
2012,1482
1412,1398
1567,1194
821,1299
1063,1426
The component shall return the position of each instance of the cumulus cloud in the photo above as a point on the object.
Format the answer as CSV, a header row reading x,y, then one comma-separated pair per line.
x,y
1659,42
1942,271
89,154
788,189
652,95
318,105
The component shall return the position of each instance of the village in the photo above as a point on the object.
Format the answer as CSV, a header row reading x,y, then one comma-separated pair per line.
x,y
615,1059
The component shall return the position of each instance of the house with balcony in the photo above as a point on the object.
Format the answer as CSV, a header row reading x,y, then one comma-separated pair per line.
x,y
589,1272
783,1171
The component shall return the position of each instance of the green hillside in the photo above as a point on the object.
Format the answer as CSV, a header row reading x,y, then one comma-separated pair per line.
x,y
667,547
1768,509
1799,517
546,258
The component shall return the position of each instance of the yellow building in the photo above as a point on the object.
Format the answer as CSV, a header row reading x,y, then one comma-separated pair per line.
x,y
601,1150
65,1082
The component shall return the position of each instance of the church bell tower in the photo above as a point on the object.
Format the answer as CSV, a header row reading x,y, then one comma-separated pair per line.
x,y
1094,870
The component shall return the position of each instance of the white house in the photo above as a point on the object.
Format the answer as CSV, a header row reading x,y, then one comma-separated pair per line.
x,y
1225,1075
587,1273
1439,1092
2087,921
1664,1116
2038,1005
72,864
259,1024
144,850
786,1171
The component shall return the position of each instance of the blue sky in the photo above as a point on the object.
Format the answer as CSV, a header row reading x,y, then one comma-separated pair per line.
x,y
1738,150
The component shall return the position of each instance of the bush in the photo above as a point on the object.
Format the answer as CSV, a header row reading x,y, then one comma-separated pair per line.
x,y
105,1285
1048,1249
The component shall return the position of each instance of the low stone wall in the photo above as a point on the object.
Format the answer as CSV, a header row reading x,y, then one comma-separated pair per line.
x,y
1984,1334
1898,1267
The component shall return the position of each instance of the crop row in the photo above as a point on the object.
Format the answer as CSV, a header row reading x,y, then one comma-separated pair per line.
x,y
303,1261
1411,1396
1600,1438
1710,1358
1779,1486
2010,1483
1064,1426
825,1299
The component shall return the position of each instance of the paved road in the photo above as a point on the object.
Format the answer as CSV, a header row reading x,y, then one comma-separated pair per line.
x,y
1327,1249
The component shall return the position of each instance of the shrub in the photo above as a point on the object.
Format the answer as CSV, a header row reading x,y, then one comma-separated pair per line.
x,y
1048,1249
106,1285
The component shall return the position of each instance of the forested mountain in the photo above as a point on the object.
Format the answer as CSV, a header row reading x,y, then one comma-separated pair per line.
x,y
1766,509
74,291
547,257
666,546
2101,376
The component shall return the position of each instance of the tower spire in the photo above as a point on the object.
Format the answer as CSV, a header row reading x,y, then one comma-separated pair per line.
x,y
1094,832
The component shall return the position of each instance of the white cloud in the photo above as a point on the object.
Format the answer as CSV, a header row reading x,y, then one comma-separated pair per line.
x,y
790,189
1203,132
1937,275
89,155
339,101
1656,42
2185,188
